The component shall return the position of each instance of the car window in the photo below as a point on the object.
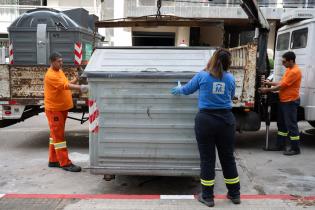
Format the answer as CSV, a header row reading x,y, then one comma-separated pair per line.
x,y
299,38
283,41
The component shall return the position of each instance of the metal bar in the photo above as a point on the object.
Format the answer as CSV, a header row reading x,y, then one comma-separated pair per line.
x,y
142,75
77,119
157,47
152,23
152,169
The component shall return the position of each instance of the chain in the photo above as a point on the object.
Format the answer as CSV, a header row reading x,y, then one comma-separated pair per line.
x,y
159,5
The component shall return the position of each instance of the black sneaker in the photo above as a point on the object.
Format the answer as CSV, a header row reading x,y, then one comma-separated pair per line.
x,y
206,201
53,165
234,199
292,152
72,168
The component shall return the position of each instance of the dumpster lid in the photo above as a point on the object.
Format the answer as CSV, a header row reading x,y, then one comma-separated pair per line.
x,y
148,59
51,17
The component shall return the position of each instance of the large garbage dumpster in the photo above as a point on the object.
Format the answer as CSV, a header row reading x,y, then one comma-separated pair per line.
x,y
138,127
39,32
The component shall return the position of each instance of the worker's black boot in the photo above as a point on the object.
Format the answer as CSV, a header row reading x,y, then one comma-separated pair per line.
x,y
208,201
294,149
72,168
291,152
53,165
235,199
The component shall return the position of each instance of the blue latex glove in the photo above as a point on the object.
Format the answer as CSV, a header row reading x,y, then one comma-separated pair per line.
x,y
176,90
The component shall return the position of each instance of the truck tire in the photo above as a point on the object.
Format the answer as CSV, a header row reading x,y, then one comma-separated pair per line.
x,y
312,123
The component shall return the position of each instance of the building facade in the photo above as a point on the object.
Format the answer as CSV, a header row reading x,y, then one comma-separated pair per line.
x,y
231,28
11,9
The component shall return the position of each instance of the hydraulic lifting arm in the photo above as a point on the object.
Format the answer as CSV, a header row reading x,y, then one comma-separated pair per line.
x,y
256,18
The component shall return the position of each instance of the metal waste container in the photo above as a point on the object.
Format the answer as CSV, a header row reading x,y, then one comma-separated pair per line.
x,y
137,127
37,33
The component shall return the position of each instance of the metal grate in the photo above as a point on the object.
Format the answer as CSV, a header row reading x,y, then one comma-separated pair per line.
x,y
34,203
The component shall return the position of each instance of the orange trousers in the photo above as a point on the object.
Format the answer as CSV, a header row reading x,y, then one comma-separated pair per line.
x,y
58,151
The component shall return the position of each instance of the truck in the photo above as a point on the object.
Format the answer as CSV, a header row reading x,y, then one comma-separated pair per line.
x,y
137,127
33,36
297,35
39,32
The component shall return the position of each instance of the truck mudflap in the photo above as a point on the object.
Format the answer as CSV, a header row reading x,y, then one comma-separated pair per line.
x,y
247,120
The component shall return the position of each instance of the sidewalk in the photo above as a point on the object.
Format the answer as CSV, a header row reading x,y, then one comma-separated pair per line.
x,y
148,202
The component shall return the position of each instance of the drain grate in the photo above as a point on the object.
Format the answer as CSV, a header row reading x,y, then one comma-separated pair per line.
x,y
34,203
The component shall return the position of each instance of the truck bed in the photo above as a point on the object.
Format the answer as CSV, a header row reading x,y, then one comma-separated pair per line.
x,y
25,84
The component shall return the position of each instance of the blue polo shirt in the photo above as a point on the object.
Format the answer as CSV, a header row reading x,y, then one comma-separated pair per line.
x,y
214,93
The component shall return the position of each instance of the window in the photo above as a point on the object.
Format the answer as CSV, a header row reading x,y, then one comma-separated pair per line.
x,y
30,2
146,3
299,38
153,39
283,41
205,3
152,3
168,3
293,3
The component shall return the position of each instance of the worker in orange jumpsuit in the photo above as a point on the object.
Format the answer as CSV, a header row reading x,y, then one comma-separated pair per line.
x,y
289,95
58,100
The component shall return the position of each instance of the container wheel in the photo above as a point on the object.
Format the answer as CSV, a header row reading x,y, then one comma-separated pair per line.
x,y
109,177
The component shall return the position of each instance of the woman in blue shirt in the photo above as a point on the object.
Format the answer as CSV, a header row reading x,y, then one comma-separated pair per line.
x,y
215,124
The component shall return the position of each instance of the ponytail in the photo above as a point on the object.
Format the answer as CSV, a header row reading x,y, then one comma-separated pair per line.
x,y
219,63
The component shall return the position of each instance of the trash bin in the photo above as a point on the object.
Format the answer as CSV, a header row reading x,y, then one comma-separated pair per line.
x,y
137,127
37,33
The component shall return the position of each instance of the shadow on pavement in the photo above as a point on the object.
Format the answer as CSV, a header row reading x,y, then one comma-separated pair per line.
x,y
152,185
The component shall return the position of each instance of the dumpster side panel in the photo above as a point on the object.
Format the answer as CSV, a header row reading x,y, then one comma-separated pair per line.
x,y
24,47
144,130
63,42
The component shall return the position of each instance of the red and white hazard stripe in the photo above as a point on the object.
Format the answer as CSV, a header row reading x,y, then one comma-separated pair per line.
x,y
78,53
151,197
93,116
11,54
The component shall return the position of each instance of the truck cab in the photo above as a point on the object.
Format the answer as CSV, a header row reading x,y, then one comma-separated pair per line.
x,y
297,35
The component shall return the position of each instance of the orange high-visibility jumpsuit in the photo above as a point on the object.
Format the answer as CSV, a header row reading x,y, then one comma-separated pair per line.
x,y
58,100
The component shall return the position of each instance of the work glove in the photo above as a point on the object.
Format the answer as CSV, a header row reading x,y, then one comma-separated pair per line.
x,y
84,88
177,90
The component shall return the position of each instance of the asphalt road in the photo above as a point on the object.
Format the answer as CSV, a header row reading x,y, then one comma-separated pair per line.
x,y
23,165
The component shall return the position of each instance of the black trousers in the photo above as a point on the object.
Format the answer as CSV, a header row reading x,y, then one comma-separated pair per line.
x,y
216,128
288,129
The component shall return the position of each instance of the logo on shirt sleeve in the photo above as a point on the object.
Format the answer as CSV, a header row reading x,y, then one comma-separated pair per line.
x,y
218,88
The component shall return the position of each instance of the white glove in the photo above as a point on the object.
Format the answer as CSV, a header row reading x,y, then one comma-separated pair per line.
x,y
84,88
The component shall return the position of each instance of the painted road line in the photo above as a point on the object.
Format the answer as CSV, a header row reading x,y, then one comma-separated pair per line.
x,y
151,197
177,197
85,196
